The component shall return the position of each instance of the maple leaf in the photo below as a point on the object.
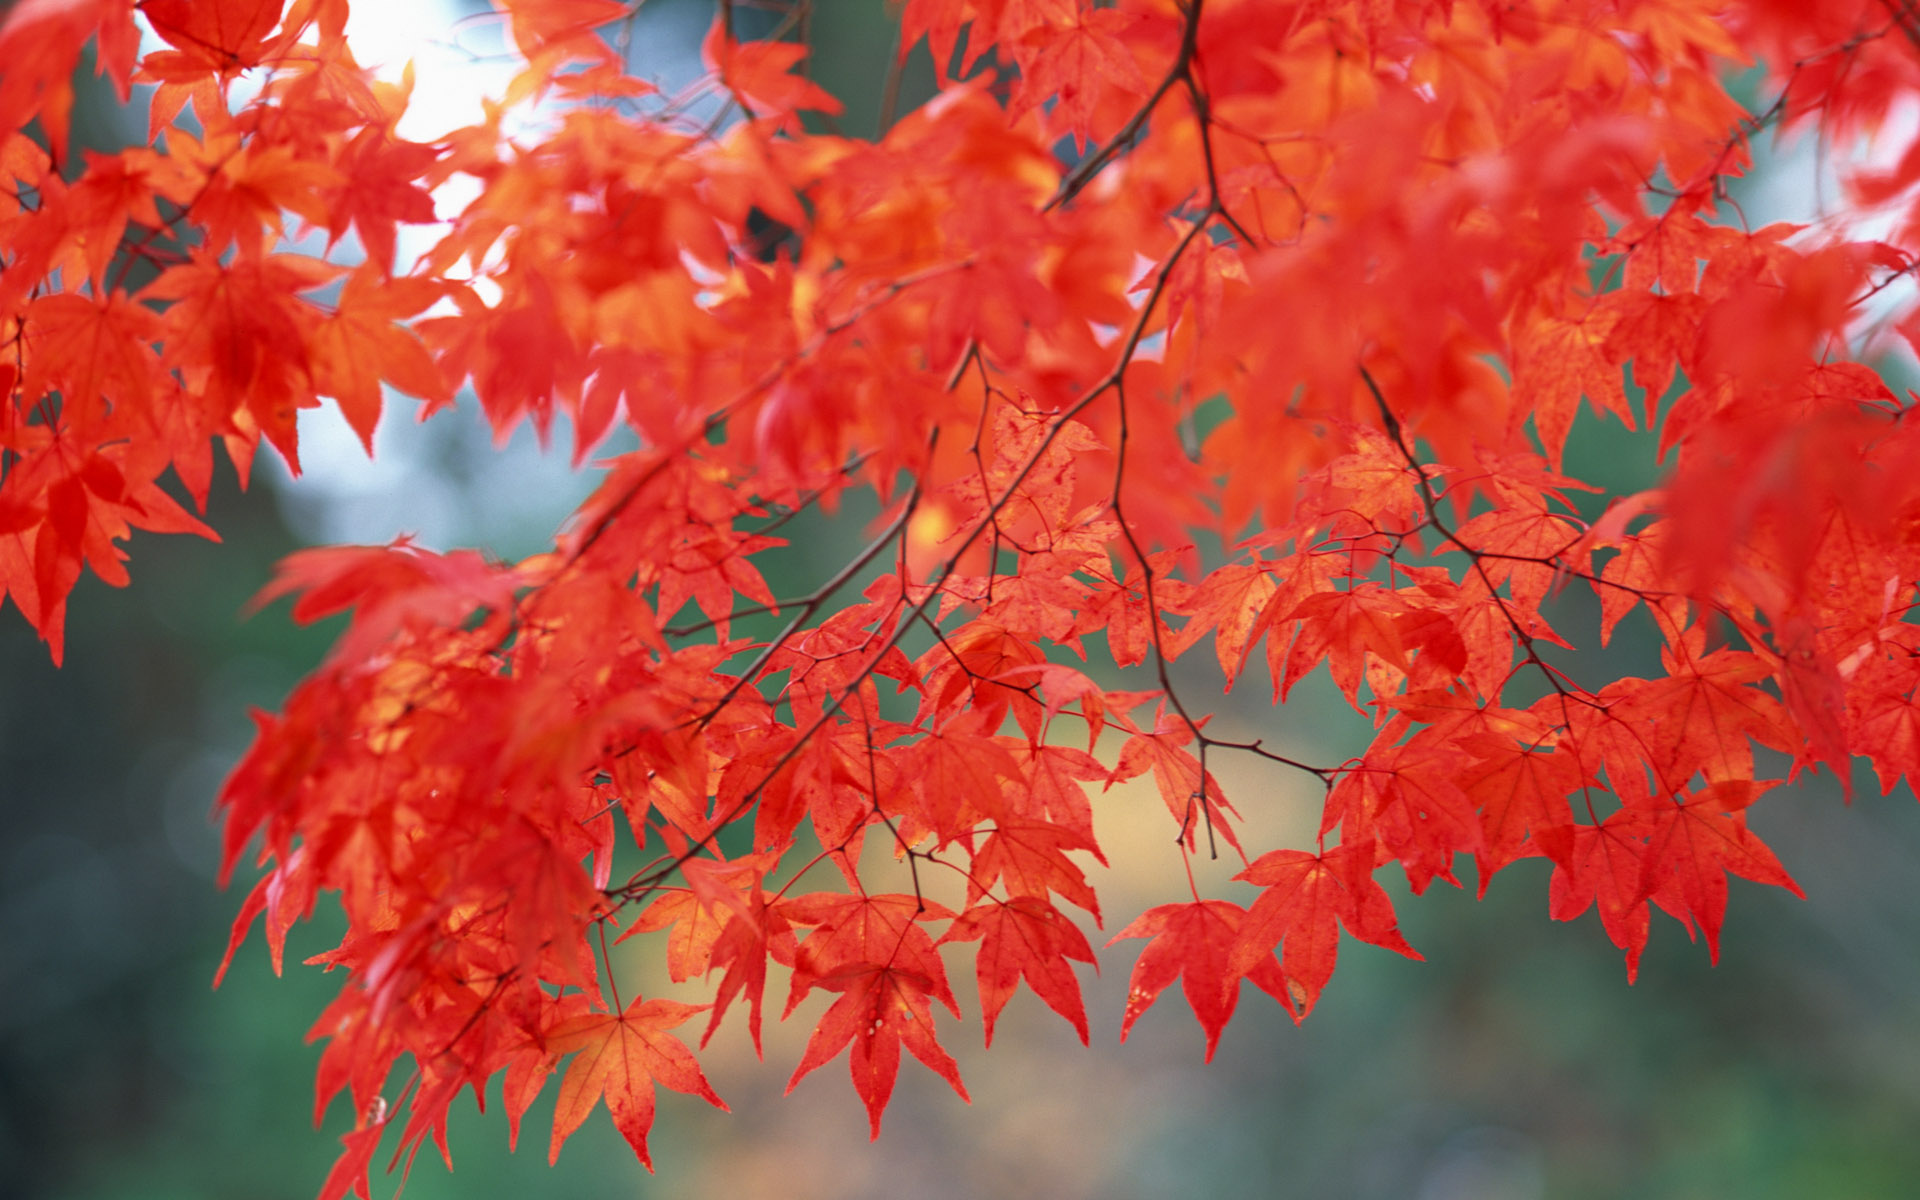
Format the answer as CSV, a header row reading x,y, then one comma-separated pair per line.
x,y
1882,714
243,329
760,73
1077,65
1051,789
381,190
1025,936
1031,860
538,25
1521,791
957,777
1701,716
745,945
714,925
1408,800
1308,898
1628,577
1345,628
1523,548
1601,864
1063,685
1667,250
225,35
349,1171
1231,603
41,41
1657,332
1195,943
1696,841
387,588
361,344
1375,480
620,1057
880,1010
872,949
96,352
1123,613
1195,802
1815,696
855,932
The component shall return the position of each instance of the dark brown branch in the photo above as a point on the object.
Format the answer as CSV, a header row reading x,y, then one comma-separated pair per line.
x,y
1077,179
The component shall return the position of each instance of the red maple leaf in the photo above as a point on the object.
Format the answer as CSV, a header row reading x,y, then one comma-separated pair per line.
x,y
1692,845
871,949
1195,943
1025,936
620,1057
1308,898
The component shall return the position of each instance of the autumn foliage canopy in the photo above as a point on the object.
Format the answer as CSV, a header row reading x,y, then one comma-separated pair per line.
x,y
1245,329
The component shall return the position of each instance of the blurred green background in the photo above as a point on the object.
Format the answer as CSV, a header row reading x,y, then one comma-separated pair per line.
x,y
1514,1064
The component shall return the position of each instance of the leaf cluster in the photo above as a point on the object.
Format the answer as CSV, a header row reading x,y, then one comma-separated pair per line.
x,y
1324,282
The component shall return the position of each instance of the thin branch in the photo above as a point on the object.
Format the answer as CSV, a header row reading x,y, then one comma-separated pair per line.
x,y
1077,179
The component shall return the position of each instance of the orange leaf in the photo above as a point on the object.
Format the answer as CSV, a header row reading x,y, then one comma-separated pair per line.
x,y
222,35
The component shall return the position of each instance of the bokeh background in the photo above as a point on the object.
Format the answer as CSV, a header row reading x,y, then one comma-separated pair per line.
x,y
1514,1064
